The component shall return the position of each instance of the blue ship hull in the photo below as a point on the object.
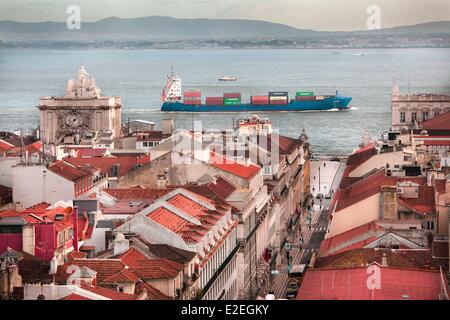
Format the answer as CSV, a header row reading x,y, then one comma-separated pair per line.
x,y
328,103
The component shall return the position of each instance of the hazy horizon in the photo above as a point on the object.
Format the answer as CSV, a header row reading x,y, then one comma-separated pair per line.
x,y
320,15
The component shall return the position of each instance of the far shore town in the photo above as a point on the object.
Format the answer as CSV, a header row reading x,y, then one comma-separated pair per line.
x,y
96,208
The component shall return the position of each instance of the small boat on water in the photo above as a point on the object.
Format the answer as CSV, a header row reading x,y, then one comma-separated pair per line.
x,y
225,78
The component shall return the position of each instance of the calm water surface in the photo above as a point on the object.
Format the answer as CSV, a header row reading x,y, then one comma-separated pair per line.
x,y
137,76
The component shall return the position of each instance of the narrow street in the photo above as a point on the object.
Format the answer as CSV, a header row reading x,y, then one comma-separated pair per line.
x,y
312,233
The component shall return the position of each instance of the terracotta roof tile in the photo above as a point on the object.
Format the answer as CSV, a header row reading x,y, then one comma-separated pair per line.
x,y
106,165
69,172
91,152
361,236
74,296
233,167
371,185
441,122
152,293
359,157
105,268
109,293
351,284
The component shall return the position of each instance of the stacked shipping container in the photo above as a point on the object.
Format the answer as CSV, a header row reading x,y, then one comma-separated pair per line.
x,y
232,98
278,97
259,99
193,97
214,101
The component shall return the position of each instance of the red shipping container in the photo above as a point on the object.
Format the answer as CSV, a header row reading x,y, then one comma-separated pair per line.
x,y
260,97
232,95
192,102
278,102
192,93
259,100
214,100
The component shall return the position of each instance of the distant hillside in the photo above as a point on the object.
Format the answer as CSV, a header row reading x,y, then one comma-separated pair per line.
x,y
166,28
152,28
437,27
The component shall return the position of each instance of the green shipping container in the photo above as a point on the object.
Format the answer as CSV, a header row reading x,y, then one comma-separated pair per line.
x,y
231,101
304,93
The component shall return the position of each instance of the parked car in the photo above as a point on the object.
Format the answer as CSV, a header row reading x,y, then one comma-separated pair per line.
x,y
319,196
293,285
328,195
291,294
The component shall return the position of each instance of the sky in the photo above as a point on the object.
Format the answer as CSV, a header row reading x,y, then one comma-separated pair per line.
x,y
331,15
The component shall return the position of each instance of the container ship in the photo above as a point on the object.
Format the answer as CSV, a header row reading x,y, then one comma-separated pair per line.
x,y
275,101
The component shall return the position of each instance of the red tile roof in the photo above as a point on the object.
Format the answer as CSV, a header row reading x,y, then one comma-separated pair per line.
x,y
371,185
436,143
146,268
68,171
189,231
233,167
222,188
441,122
286,145
35,147
5,146
167,219
74,296
424,203
352,239
91,152
124,276
109,293
149,195
106,165
152,293
42,213
359,157
105,268
351,284
186,229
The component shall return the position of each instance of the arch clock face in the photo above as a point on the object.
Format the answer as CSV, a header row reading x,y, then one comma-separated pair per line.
x,y
74,120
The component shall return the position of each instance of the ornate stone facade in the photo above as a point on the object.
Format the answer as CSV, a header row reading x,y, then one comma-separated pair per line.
x,y
80,113
408,110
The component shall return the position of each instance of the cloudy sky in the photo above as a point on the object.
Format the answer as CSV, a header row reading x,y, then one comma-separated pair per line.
x,y
306,14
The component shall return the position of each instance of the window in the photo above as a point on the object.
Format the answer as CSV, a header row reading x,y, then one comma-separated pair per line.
x,y
402,117
430,225
424,115
267,170
145,144
436,114
413,116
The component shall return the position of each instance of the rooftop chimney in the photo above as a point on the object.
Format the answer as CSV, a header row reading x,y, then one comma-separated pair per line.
x,y
53,266
388,203
120,244
384,261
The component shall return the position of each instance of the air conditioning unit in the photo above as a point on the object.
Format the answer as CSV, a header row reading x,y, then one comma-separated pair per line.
x,y
400,191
